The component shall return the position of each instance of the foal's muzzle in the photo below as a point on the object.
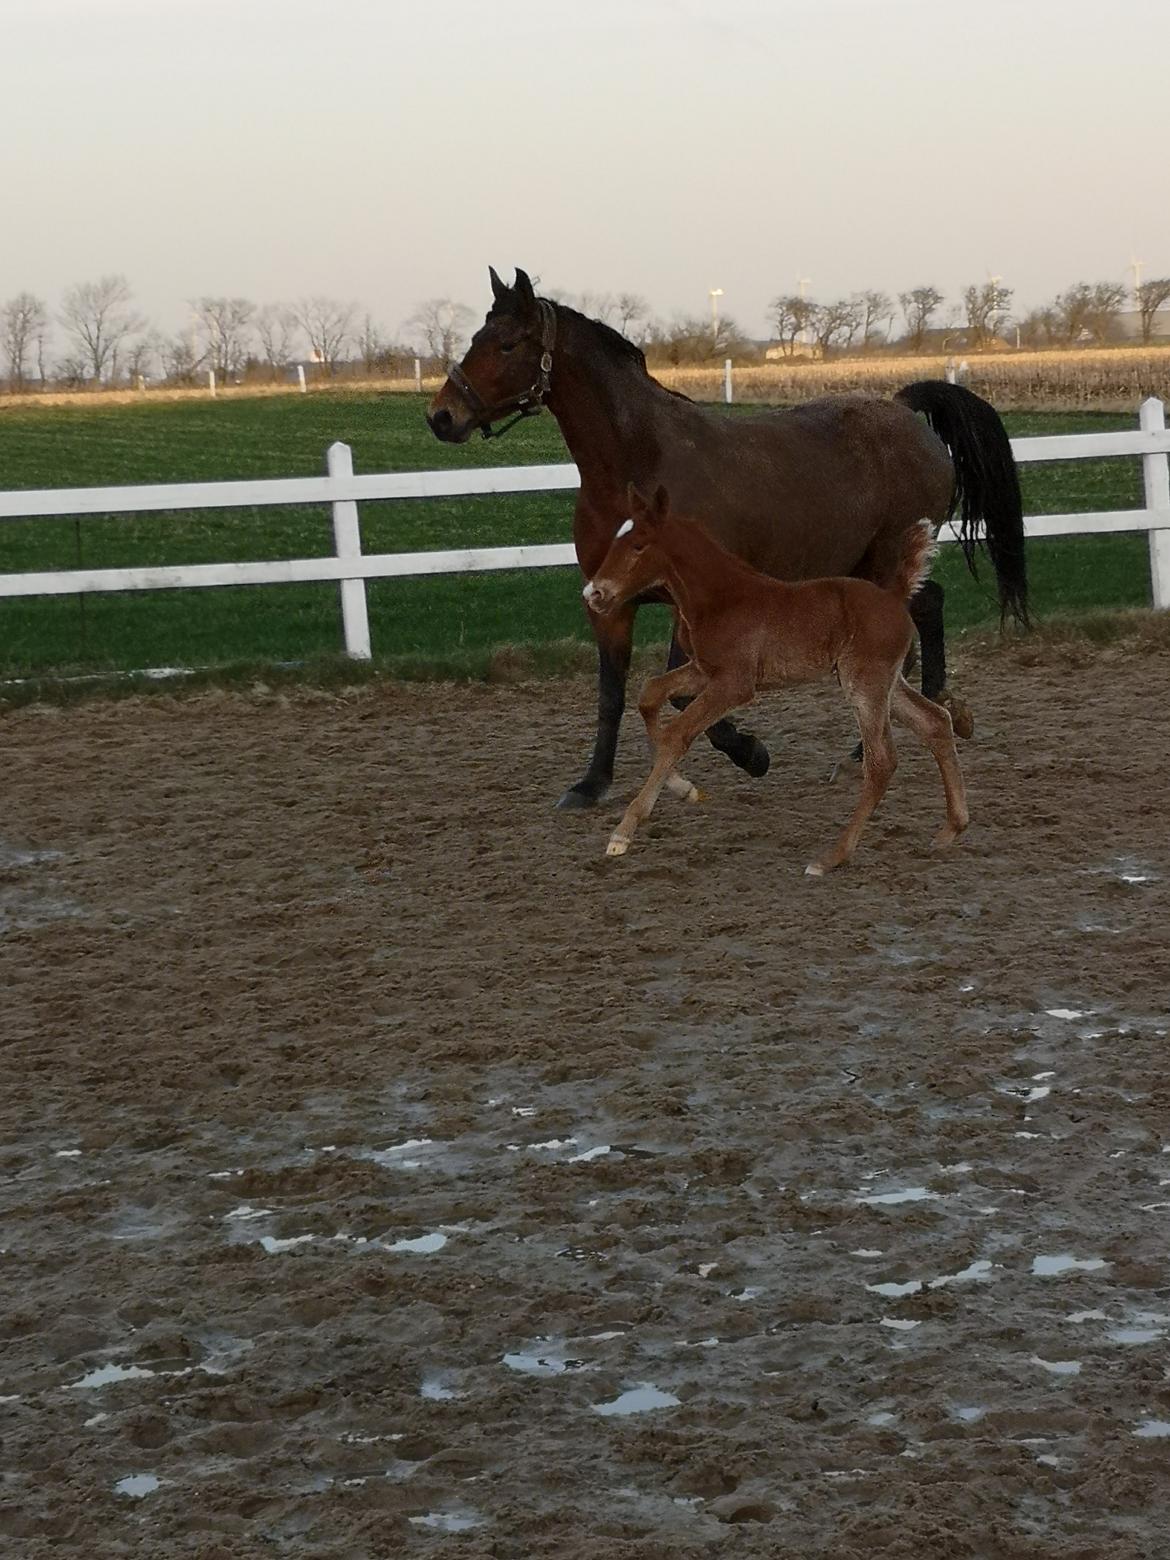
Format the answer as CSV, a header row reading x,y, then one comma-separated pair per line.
x,y
599,598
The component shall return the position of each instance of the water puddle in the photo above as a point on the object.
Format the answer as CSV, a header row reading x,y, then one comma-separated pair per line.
x,y
638,1400
907,1194
1086,1316
435,1391
1131,1335
970,1415
104,1375
975,1273
1152,1427
1057,1367
1047,1267
447,1521
401,1156
273,1243
1068,1014
882,1419
900,1323
894,1291
137,1485
67,1153
546,1362
424,1244
246,1212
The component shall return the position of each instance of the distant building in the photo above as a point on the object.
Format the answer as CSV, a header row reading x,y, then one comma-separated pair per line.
x,y
1129,326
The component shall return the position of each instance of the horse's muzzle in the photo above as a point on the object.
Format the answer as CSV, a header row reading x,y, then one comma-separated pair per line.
x,y
444,426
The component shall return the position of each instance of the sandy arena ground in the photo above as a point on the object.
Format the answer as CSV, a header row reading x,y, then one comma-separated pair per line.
x,y
385,1172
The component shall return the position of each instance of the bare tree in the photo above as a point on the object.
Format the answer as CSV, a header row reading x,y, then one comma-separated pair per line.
x,y
98,320
328,325
181,357
690,339
599,306
1151,296
276,327
22,320
919,306
140,357
987,305
1088,311
442,326
632,309
791,315
877,310
379,354
226,327
835,324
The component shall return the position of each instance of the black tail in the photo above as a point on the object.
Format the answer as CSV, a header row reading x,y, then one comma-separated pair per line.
x,y
987,485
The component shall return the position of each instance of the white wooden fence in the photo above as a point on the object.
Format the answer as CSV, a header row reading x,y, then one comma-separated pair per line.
x,y
344,490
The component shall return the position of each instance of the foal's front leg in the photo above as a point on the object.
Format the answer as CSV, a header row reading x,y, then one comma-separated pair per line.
x,y
678,682
714,700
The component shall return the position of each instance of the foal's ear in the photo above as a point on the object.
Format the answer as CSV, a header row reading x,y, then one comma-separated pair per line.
x,y
500,290
637,503
524,289
661,502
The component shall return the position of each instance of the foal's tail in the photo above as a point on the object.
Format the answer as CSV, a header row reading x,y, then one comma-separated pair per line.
x,y
916,559
987,485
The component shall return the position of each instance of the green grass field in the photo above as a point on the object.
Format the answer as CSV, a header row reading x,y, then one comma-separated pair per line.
x,y
448,620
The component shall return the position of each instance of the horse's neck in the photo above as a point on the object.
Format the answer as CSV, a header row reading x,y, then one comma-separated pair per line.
x,y
605,407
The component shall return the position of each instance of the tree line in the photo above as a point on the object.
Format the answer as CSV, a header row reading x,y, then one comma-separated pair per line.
x,y
97,337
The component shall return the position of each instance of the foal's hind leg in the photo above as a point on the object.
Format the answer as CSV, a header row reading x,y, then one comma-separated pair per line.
x,y
933,725
742,748
926,608
871,704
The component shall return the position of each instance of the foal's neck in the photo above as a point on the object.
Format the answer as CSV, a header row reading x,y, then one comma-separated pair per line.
x,y
700,575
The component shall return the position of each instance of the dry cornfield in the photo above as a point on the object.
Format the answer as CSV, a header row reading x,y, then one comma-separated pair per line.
x,y
1101,379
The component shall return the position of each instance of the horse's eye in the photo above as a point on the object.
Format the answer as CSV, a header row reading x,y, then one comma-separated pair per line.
x,y
508,346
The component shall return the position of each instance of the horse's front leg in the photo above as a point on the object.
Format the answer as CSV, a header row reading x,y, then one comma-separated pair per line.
x,y
615,638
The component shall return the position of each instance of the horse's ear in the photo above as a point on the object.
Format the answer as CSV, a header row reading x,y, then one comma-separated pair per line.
x,y
634,499
500,290
661,502
524,289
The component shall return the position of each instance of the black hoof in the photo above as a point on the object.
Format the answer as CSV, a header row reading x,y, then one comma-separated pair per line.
x,y
581,796
751,756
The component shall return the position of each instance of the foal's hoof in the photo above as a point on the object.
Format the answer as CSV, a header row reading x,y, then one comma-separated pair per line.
x,y
617,847
578,797
959,710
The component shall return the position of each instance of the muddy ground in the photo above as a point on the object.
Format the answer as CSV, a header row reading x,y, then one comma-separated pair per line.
x,y
386,1172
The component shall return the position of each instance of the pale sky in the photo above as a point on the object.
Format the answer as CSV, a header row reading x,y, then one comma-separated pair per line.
x,y
386,151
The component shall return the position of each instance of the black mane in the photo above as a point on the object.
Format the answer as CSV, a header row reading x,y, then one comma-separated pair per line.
x,y
614,341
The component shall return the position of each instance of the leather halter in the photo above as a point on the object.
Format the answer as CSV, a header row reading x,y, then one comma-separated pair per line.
x,y
529,402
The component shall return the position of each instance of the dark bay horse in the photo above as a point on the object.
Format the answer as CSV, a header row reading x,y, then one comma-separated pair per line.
x,y
827,488
748,631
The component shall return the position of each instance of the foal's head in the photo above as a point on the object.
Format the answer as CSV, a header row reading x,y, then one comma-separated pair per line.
x,y
505,368
636,560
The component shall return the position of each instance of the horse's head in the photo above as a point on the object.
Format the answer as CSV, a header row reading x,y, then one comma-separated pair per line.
x,y
636,559
505,369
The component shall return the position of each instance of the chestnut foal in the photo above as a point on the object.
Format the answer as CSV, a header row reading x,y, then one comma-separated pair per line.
x,y
745,631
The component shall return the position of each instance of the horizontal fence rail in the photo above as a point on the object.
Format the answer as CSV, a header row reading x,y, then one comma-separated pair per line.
x,y
349,567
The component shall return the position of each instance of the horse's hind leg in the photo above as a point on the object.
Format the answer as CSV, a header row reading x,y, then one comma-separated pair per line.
x,y
744,750
933,725
871,705
926,608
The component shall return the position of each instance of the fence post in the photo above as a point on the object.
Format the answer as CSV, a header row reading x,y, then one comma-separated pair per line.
x,y
347,543
211,382
418,376
1156,480
301,377
727,380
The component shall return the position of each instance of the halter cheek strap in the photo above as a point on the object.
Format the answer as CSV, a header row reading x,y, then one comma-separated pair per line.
x,y
529,402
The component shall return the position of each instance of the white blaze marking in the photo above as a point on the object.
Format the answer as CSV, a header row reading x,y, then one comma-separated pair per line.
x,y
624,529
588,588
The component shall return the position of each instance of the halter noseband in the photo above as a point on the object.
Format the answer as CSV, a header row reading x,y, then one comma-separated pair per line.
x,y
529,402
